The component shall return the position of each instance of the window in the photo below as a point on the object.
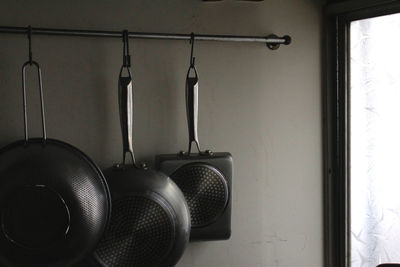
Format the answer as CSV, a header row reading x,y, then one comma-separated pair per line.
x,y
362,134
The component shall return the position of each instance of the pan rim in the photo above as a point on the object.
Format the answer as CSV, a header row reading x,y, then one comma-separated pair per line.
x,y
77,151
102,182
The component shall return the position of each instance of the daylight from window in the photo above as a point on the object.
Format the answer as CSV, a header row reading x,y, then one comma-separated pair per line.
x,y
375,141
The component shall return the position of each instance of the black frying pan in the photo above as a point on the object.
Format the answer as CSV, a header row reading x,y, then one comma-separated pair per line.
x,y
205,178
150,221
54,201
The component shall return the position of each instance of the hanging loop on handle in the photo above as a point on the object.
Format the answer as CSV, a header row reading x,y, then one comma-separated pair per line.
x,y
30,62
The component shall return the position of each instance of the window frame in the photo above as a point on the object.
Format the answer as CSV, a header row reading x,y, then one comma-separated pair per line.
x,y
335,121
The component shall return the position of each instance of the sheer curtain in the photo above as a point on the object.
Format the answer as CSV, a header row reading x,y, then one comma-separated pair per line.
x,y
375,141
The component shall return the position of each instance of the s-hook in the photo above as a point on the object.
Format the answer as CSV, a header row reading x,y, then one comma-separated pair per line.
x,y
30,43
126,56
192,59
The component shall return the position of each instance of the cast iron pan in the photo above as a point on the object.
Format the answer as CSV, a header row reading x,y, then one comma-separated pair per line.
x,y
150,220
54,201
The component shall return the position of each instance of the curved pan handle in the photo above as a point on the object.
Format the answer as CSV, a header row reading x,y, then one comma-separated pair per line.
x,y
125,101
39,73
192,108
125,97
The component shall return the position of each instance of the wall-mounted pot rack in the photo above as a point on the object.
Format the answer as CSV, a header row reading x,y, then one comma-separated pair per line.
x,y
272,41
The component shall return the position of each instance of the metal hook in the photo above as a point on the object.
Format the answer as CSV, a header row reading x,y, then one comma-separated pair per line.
x,y
192,59
30,44
126,56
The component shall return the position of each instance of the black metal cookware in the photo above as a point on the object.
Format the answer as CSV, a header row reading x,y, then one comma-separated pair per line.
x,y
205,178
54,201
150,221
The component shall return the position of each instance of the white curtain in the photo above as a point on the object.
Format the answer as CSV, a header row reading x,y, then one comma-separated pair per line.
x,y
375,141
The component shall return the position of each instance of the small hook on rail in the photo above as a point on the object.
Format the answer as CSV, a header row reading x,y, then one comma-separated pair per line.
x,y
30,44
126,55
192,59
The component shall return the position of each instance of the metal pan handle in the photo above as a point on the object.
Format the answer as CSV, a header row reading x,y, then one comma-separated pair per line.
x,y
125,97
39,73
192,107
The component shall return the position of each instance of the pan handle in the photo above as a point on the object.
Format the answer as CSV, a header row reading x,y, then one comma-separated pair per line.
x,y
125,95
192,103
192,107
125,100
31,62
39,73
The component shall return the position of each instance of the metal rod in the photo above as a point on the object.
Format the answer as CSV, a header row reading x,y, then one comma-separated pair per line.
x,y
269,40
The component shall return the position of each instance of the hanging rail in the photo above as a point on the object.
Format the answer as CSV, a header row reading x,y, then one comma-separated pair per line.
x,y
272,41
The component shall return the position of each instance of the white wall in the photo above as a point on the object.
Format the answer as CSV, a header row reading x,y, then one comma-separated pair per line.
x,y
262,106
